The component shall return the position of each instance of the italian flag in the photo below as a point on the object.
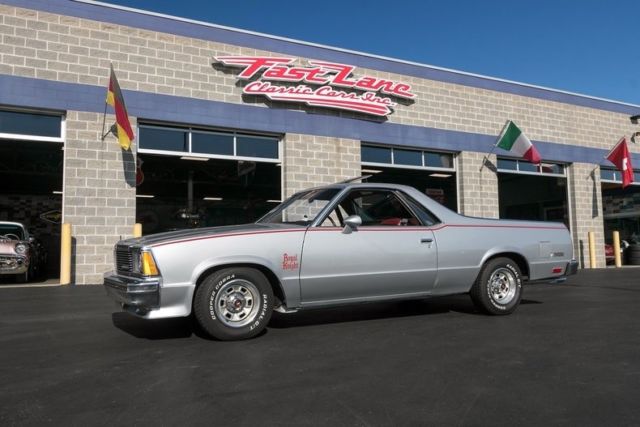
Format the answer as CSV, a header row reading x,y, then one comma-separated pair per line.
x,y
512,139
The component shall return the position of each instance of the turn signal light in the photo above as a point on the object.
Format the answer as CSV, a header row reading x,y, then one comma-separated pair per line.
x,y
148,264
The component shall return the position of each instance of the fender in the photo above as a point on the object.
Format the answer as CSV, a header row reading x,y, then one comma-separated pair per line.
x,y
289,283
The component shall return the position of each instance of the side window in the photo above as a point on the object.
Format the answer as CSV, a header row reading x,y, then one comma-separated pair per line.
x,y
378,208
335,218
425,216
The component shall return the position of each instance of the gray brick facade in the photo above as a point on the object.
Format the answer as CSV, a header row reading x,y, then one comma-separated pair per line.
x,y
99,194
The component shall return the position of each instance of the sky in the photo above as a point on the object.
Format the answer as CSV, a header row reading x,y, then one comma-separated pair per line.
x,y
588,47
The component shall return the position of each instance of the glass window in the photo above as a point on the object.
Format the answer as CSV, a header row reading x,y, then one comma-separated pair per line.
x,y
212,143
249,146
438,160
425,216
301,208
608,174
552,168
164,139
375,154
378,207
508,164
30,124
527,167
407,157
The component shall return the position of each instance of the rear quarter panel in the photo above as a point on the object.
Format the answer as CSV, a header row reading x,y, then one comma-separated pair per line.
x,y
465,246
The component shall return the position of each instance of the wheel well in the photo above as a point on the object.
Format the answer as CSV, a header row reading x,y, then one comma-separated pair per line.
x,y
278,293
517,258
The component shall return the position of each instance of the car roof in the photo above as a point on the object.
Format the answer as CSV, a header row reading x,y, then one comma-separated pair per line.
x,y
12,223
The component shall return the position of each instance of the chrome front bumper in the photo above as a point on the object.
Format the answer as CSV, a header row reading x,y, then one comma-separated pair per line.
x,y
12,264
140,294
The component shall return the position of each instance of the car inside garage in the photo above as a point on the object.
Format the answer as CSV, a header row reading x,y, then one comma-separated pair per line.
x,y
31,165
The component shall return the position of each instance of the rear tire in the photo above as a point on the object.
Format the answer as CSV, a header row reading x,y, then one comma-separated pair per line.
x,y
498,288
234,303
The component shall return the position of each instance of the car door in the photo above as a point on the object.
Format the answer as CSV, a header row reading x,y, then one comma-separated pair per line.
x,y
391,253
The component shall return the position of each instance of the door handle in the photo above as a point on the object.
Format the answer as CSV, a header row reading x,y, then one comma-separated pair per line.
x,y
426,240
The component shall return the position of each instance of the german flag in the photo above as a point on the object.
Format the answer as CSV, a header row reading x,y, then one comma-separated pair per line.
x,y
114,98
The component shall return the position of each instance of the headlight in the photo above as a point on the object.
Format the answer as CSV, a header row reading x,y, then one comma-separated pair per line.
x,y
20,248
148,264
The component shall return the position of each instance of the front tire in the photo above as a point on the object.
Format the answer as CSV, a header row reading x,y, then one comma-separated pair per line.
x,y
234,303
498,288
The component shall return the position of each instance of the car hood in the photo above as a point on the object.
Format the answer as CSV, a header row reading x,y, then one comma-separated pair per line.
x,y
159,238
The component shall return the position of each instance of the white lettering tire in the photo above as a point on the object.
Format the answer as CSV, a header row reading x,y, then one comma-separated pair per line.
x,y
498,288
234,303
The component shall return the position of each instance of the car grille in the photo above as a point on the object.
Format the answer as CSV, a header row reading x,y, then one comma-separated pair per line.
x,y
124,259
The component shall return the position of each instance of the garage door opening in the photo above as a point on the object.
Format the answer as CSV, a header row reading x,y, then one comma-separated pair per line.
x,y
621,210
432,173
191,178
532,192
31,195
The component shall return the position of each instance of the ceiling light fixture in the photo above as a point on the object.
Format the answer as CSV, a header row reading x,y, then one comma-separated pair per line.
x,y
199,159
440,175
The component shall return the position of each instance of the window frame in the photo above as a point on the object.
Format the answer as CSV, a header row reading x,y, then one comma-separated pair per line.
x,y
400,196
37,138
190,153
422,152
539,167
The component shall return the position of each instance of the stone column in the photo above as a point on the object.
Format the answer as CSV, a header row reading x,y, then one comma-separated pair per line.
x,y
310,161
99,194
478,185
585,198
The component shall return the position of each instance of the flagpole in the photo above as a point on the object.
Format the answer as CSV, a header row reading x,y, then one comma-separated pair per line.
x,y
104,119
486,157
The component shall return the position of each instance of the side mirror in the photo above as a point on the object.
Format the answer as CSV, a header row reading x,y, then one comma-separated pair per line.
x,y
351,223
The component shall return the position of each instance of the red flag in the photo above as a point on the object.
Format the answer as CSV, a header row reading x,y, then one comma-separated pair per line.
x,y
620,157
115,99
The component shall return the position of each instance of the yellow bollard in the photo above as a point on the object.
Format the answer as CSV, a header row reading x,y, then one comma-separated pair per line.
x,y
592,250
65,254
616,248
137,230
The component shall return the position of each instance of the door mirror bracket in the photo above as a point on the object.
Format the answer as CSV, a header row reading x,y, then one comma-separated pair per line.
x,y
351,223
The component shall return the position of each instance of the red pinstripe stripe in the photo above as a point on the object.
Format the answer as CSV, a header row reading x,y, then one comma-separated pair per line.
x,y
390,228
216,236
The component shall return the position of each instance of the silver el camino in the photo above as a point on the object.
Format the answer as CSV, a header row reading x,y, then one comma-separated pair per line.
x,y
340,244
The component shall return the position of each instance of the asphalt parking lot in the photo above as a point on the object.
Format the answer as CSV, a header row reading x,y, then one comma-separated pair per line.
x,y
570,355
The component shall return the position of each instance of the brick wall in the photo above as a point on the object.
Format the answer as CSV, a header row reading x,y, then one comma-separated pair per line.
x,y
585,198
99,194
478,185
100,203
43,45
310,161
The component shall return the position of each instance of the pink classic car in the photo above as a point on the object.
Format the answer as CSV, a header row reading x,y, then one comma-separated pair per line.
x,y
20,254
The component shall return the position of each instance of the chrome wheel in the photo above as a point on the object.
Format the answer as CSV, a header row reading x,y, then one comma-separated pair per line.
x,y
237,303
502,286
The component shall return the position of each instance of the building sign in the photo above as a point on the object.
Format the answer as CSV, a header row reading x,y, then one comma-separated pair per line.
x,y
321,84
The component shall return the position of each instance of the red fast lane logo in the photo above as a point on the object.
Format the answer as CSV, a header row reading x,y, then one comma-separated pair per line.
x,y
373,96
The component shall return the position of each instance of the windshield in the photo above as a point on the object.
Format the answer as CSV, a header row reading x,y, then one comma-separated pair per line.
x,y
301,208
12,231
